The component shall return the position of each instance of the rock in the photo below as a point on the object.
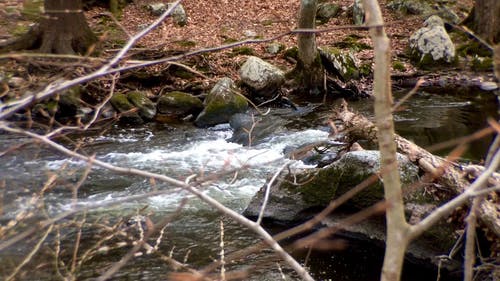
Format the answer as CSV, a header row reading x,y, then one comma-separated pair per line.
x,y
250,33
488,86
178,14
179,104
261,77
70,104
221,103
410,7
431,44
274,48
250,130
147,109
326,11
126,109
358,13
343,64
291,202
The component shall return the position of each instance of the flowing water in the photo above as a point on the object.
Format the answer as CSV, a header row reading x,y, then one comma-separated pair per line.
x,y
193,236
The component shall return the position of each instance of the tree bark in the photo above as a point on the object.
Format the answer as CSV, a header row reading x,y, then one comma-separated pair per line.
x,y
64,28
397,229
309,70
486,20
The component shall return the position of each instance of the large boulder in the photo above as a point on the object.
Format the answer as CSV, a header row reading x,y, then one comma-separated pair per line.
x,y
179,104
291,202
221,103
431,45
263,78
147,109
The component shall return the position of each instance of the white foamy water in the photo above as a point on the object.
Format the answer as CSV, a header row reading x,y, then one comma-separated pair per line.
x,y
208,155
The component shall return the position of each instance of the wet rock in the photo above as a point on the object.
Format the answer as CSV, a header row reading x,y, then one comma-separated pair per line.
x,y
126,110
179,104
292,202
431,44
261,77
318,154
326,11
178,14
147,109
343,64
250,129
223,101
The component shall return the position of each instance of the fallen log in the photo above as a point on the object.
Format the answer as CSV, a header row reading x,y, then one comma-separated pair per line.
x,y
447,174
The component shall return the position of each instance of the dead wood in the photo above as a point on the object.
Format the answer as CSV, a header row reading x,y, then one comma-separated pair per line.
x,y
450,175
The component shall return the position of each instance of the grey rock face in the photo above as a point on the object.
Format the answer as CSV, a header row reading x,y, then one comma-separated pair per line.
x,y
261,77
432,42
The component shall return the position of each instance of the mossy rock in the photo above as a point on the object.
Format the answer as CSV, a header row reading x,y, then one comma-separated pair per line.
x,y
221,103
292,53
473,48
125,108
340,62
147,109
326,11
179,104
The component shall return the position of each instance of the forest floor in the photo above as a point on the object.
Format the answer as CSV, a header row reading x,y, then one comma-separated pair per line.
x,y
221,22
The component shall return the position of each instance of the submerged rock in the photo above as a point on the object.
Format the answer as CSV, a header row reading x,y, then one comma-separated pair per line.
x,y
431,44
261,77
221,103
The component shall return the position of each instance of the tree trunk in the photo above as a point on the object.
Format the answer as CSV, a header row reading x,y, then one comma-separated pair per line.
x,y
309,70
486,20
64,28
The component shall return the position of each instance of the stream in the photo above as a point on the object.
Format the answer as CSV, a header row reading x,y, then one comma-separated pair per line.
x,y
193,236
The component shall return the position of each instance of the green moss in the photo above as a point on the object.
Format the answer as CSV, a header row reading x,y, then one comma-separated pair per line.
x,y
179,102
292,52
365,69
32,9
230,40
267,22
120,102
19,30
243,51
321,189
352,42
185,43
399,66
482,64
473,47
